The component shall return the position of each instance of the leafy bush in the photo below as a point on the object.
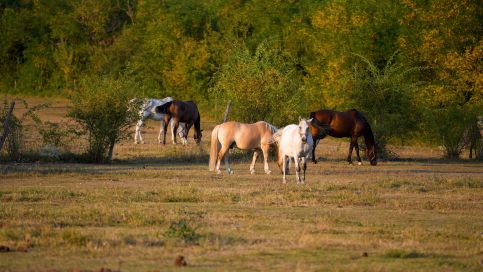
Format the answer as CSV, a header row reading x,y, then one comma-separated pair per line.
x,y
447,128
261,86
183,231
101,106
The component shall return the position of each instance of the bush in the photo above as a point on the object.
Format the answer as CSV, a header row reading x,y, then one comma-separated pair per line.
x,y
183,231
101,106
384,97
261,86
449,127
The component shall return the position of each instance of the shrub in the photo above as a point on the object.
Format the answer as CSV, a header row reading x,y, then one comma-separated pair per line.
x,y
183,231
447,127
101,107
384,97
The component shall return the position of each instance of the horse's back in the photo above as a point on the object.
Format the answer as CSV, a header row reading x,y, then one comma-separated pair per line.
x,y
342,124
245,136
186,111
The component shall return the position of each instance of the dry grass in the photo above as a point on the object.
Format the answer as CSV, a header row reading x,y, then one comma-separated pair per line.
x,y
157,202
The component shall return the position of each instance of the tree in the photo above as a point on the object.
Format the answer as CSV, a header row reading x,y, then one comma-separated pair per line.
x,y
101,107
262,86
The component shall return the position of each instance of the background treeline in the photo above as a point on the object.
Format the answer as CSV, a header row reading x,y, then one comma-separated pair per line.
x,y
413,67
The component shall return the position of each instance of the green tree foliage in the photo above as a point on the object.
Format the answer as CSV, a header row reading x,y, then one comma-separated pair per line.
x,y
262,86
183,48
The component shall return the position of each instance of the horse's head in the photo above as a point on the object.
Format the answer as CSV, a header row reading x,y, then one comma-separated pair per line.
x,y
197,136
164,109
304,129
371,154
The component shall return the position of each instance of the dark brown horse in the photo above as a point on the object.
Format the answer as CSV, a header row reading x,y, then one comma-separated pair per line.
x,y
349,124
184,112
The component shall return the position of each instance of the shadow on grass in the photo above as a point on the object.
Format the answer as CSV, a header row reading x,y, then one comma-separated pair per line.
x,y
165,162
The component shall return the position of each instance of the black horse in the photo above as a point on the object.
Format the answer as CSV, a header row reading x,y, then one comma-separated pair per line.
x,y
349,124
184,112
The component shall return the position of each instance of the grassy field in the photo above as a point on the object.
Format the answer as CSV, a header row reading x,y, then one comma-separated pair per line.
x,y
157,202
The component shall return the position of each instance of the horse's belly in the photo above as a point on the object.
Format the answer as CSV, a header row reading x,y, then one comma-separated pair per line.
x,y
244,143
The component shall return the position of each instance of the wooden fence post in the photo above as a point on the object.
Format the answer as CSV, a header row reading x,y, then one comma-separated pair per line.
x,y
6,124
225,117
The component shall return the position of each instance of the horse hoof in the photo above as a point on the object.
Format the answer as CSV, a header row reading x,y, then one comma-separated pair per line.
x,y
230,172
315,162
252,171
359,163
136,142
218,172
268,172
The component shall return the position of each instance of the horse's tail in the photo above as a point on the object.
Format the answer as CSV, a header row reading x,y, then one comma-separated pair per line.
x,y
198,128
214,148
276,136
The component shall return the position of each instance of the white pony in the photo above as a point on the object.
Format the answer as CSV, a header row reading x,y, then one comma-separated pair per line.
x,y
148,111
294,141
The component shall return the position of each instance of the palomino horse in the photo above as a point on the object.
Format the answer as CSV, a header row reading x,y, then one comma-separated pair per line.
x,y
294,141
148,111
182,112
349,124
255,137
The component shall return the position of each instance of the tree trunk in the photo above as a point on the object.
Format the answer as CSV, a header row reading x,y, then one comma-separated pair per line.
x,y
111,149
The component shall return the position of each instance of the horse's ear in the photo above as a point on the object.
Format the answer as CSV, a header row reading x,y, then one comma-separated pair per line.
x,y
310,120
300,118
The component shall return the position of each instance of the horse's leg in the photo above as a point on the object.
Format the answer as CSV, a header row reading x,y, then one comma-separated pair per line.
x,y
351,147
284,168
252,166
314,160
265,149
297,167
161,130
356,145
223,153
304,165
174,129
167,119
137,134
184,135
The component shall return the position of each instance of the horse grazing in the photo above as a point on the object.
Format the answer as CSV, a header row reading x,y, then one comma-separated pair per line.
x,y
228,135
349,124
181,112
294,141
148,111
